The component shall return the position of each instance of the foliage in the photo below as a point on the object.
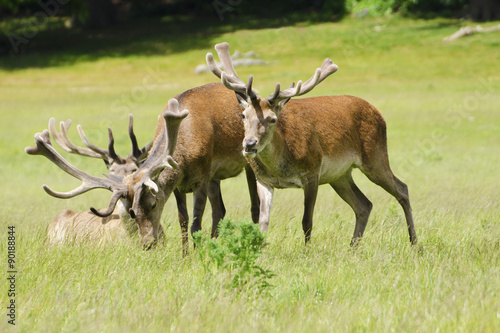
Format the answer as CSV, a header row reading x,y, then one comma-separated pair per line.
x,y
196,8
236,251
103,13
12,6
432,7
361,8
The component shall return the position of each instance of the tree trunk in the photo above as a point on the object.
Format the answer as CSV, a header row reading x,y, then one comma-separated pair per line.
x,y
484,10
102,13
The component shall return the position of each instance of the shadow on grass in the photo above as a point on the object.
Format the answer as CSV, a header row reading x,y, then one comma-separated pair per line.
x,y
54,45
437,24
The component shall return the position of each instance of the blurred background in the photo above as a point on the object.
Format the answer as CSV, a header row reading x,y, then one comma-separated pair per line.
x,y
64,23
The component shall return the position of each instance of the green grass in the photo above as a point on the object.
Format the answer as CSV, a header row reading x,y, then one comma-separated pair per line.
x,y
444,142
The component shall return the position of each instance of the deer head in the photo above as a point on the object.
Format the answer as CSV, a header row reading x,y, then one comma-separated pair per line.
x,y
138,190
261,114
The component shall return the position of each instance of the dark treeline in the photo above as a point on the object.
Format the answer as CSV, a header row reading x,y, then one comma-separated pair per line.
x,y
102,13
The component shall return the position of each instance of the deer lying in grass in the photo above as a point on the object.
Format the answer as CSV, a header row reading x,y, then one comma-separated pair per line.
x,y
70,226
313,141
208,150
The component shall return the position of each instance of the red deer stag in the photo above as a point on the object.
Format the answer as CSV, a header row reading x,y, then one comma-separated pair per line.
x,y
71,226
128,165
313,141
208,150
128,187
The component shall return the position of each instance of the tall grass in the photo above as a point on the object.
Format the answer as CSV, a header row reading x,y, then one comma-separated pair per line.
x,y
440,102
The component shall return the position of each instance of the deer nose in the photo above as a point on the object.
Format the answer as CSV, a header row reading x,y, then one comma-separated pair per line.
x,y
148,242
250,143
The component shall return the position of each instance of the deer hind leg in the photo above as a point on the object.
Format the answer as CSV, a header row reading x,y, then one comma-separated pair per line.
x,y
218,208
180,198
254,196
382,175
352,195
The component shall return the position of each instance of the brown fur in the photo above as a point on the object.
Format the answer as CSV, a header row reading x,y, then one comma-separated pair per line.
x,y
208,150
70,226
320,140
312,141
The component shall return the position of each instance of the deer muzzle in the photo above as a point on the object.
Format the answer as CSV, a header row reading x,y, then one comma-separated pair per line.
x,y
250,148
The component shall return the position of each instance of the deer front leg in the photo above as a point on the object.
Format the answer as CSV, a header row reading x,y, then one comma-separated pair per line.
x,y
183,219
218,209
200,200
310,195
254,196
266,200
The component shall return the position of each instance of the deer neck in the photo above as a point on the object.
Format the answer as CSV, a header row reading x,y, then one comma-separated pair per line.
x,y
271,156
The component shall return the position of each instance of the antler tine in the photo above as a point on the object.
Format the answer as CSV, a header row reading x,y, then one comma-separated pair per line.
x,y
310,84
276,92
212,65
216,70
225,58
284,94
229,77
144,151
136,152
104,153
111,207
327,68
44,147
160,155
173,118
231,84
111,146
249,91
64,142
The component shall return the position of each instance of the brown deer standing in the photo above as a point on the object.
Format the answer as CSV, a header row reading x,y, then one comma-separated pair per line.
x,y
70,226
313,141
208,150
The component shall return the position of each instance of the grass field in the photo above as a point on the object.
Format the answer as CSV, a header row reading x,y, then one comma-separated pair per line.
x,y
440,101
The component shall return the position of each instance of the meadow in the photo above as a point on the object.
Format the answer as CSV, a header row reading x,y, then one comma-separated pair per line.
x,y
440,101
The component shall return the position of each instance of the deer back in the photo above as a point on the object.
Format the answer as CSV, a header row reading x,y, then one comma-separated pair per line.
x,y
209,144
69,226
326,135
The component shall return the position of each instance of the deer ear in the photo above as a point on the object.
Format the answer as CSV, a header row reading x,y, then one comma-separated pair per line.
x,y
242,99
283,102
280,105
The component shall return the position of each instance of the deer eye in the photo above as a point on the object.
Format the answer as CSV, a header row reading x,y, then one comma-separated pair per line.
x,y
243,116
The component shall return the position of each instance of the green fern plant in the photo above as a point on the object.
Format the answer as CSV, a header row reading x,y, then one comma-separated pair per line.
x,y
235,252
